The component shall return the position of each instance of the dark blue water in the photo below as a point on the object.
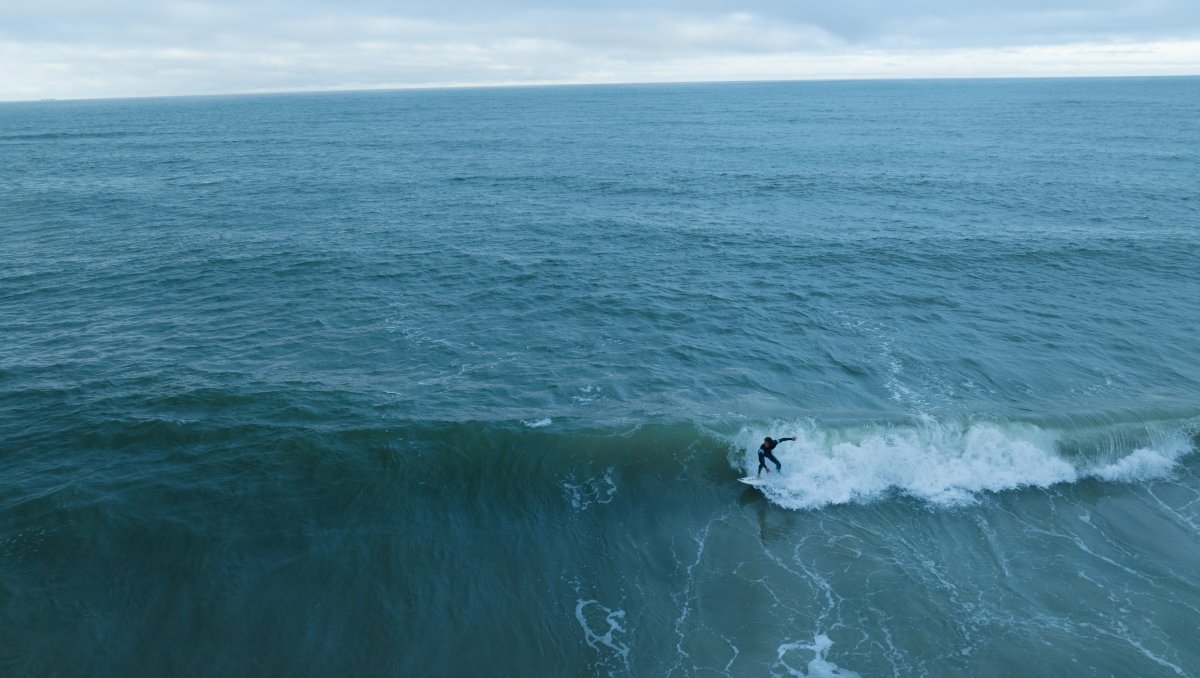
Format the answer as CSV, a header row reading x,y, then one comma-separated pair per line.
x,y
460,382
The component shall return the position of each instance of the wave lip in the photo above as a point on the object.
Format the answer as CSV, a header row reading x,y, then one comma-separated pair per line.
x,y
945,464
1141,464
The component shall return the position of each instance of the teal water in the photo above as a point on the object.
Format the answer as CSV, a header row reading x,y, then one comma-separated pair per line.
x,y
461,382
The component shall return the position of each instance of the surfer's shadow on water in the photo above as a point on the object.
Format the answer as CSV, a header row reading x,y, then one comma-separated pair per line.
x,y
774,523
751,500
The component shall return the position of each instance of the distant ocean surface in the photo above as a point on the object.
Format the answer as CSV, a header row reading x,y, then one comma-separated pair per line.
x,y
461,382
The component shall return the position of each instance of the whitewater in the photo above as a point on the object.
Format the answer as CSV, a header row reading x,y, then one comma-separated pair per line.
x,y
949,464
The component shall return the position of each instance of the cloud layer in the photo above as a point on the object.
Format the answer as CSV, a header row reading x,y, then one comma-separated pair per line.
x,y
94,48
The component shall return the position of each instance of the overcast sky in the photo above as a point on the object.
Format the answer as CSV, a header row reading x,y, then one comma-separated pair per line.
x,y
113,48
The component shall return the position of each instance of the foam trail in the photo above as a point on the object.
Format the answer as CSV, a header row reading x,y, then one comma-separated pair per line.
x,y
942,463
602,616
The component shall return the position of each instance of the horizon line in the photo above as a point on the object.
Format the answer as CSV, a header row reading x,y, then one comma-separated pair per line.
x,y
534,84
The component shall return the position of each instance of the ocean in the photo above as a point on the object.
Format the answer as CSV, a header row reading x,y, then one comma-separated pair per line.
x,y
461,382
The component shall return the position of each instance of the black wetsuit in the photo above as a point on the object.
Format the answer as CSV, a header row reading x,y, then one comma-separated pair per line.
x,y
765,452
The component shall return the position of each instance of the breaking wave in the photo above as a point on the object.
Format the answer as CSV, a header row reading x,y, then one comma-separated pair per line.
x,y
952,463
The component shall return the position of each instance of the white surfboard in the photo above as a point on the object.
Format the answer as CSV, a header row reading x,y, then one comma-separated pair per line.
x,y
751,480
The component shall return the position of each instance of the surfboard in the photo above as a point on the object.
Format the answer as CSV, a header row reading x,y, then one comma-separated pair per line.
x,y
751,480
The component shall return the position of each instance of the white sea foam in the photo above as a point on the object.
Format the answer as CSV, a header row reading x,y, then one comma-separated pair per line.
x,y
596,490
944,464
602,627
587,395
537,423
818,666
1142,463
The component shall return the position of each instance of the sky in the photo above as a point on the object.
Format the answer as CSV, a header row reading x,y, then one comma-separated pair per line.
x,y
70,49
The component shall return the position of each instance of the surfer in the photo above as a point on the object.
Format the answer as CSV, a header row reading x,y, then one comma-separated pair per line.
x,y
765,452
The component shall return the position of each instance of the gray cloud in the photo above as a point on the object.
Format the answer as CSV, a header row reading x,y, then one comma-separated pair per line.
x,y
93,48
947,23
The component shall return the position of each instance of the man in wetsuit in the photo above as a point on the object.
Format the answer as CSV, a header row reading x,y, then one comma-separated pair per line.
x,y
765,452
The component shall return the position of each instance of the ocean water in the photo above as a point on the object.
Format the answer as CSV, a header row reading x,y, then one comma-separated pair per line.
x,y
461,382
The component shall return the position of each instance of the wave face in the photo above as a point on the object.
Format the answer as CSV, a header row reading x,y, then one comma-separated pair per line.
x,y
461,382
